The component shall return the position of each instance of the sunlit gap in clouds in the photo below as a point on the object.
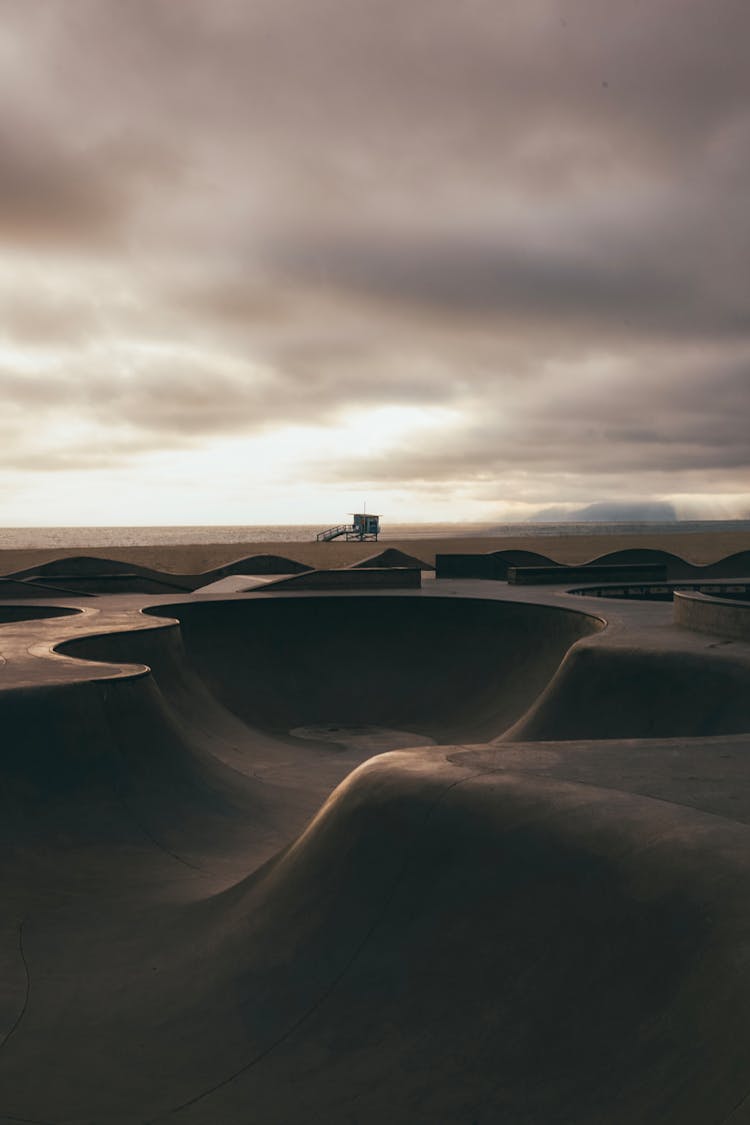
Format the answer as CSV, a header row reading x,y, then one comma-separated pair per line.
x,y
291,474
287,450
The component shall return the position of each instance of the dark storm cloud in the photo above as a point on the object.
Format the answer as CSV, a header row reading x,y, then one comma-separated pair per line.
x,y
688,418
614,289
302,208
52,193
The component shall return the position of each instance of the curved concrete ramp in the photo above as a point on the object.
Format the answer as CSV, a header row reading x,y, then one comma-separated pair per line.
x,y
451,940
353,578
85,574
509,949
392,557
94,574
684,685
25,589
251,565
506,559
645,556
81,565
490,565
733,566
120,583
437,667
259,564
496,564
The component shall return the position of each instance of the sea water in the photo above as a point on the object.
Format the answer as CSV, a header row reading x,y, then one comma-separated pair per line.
x,y
22,538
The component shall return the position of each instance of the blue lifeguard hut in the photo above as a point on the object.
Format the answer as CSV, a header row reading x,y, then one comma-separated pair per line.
x,y
363,526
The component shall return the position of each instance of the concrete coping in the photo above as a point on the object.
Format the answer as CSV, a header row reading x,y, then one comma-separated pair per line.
x,y
663,591
539,575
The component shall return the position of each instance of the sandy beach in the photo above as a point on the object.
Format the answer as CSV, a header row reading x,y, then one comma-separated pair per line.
x,y
694,547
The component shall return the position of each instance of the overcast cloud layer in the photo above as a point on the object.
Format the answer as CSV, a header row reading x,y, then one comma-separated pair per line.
x,y
467,259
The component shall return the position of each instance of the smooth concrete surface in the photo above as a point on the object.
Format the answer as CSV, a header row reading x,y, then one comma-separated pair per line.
x,y
497,565
733,565
695,547
223,904
553,575
120,583
392,557
730,566
352,578
664,591
12,588
236,584
493,565
724,616
449,669
95,575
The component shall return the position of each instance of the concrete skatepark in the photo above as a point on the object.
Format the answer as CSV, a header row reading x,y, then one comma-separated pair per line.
x,y
462,852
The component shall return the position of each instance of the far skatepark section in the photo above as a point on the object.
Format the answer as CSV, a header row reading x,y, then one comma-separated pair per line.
x,y
224,904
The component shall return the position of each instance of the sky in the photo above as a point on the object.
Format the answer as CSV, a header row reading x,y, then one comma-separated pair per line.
x,y
267,261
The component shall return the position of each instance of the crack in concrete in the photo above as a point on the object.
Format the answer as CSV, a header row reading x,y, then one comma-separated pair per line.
x,y
734,1109
24,1006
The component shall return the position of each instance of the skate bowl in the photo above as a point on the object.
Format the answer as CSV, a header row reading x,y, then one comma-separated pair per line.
x,y
445,669
222,904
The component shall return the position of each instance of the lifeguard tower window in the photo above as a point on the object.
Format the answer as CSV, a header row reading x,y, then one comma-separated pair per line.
x,y
366,526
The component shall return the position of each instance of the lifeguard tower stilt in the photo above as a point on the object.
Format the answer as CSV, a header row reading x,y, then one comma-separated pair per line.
x,y
363,526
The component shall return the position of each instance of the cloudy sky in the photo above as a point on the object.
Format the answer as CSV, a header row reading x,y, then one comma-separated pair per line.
x,y
463,259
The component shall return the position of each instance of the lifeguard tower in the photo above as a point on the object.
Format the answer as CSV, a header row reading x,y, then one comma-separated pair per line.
x,y
363,526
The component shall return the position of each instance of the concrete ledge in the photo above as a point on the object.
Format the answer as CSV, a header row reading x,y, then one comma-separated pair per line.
x,y
25,589
543,575
664,591
119,583
723,617
469,566
368,578
390,558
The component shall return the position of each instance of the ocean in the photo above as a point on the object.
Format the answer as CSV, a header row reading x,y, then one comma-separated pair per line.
x,y
66,538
